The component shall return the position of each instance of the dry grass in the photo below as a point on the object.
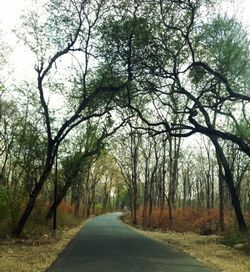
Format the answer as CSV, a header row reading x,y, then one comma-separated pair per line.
x,y
206,249
33,255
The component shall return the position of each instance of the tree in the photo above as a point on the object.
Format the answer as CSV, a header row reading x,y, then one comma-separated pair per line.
x,y
155,63
68,30
203,64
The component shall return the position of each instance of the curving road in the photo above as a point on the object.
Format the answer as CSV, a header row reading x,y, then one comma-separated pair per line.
x,y
105,244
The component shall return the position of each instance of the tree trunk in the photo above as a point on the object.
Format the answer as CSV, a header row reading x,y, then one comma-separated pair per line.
x,y
58,201
221,197
230,183
170,213
31,203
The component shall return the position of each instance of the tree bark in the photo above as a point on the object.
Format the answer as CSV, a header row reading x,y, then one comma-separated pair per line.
x,y
221,197
228,177
32,200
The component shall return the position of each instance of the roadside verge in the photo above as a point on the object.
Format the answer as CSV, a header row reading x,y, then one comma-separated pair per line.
x,y
34,255
206,249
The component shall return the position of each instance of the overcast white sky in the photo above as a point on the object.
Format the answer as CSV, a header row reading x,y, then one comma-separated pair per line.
x,y
10,11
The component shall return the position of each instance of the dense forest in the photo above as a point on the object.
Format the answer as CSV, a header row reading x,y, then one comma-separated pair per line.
x,y
141,106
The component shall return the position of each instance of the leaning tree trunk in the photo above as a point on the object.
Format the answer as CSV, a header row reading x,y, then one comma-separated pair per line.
x,y
221,197
32,200
134,165
228,177
58,200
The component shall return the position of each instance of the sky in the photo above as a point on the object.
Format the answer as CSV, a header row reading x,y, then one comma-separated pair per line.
x,y
11,11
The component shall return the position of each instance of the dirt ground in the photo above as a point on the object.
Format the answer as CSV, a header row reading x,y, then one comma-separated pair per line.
x,y
33,255
38,255
206,249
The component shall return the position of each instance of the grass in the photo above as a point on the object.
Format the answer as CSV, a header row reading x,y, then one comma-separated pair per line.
x,y
215,251
38,247
200,221
207,249
236,237
29,255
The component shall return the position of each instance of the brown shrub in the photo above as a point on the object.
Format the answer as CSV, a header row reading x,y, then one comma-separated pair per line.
x,y
65,207
188,219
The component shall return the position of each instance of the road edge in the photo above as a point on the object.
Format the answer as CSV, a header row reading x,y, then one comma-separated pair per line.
x,y
69,242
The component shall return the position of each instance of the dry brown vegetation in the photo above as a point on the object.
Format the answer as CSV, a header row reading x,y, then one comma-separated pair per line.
x,y
31,255
38,248
189,219
184,233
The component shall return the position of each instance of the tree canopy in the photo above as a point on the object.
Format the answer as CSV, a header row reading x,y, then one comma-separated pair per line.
x,y
141,75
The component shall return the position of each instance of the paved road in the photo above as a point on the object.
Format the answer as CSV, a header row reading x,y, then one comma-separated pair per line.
x,y
105,244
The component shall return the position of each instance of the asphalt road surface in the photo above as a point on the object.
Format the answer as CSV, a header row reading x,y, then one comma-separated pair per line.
x,y
106,244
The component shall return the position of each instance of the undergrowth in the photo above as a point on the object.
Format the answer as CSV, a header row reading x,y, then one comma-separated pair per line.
x,y
187,219
236,237
36,226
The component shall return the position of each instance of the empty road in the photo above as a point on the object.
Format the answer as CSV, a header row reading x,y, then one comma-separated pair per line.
x,y
105,244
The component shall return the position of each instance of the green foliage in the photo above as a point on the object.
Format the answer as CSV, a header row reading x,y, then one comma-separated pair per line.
x,y
126,40
224,43
37,226
243,130
141,49
30,152
71,166
4,203
197,75
98,209
62,22
109,86
124,198
68,220
10,209
235,237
